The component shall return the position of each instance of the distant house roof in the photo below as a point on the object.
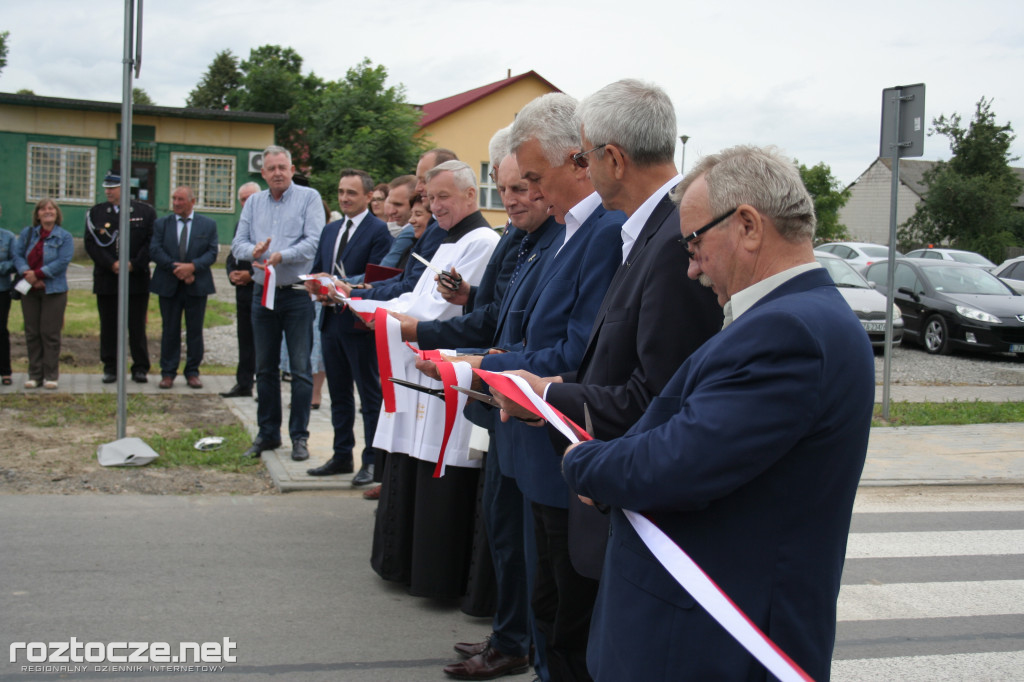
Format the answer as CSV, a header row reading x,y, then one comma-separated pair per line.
x,y
142,109
912,175
433,111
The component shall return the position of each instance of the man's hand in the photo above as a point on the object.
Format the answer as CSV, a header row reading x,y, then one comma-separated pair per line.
x,y
184,271
429,368
512,410
538,384
408,325
261,249
457,296
116,267
240,278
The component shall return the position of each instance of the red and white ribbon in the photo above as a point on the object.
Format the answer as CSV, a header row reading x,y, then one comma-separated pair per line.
x,y
269,288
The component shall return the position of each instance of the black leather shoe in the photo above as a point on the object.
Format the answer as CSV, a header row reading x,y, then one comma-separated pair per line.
x,y
471,649
488,664
300,453
364,476
330,468
109,378
238,391
140,378
259,445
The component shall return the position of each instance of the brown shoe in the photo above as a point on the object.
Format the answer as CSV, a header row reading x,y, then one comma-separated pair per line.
x,y
488,664
194,382
166,382
374,494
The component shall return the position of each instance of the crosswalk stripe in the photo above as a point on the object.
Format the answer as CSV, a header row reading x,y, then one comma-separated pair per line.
x,y
930,600
938,543
983,667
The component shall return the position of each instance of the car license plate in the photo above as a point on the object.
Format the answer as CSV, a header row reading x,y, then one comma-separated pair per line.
x,y
874,326
1017,347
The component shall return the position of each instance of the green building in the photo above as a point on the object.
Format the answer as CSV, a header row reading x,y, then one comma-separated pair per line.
x,y
62,148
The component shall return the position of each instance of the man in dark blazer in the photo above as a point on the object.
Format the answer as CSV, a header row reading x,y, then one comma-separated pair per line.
x,y
184,247
652,317
102,229
240,276
749,458
346,247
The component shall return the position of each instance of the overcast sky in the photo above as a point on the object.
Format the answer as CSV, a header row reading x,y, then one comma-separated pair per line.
x,y
806,76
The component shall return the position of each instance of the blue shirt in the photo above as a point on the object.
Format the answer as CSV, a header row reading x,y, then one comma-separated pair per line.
x,y
58,249
293,223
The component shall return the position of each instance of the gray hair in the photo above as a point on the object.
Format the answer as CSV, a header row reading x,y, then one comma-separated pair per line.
x,y
461,172
254,186
277,149
634,115
553,121
497,149
761,177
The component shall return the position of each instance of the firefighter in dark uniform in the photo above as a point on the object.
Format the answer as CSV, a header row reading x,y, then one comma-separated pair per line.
x,y
102,228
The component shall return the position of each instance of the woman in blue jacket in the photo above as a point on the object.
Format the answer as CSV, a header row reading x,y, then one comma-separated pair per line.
x,y
41,257
6,270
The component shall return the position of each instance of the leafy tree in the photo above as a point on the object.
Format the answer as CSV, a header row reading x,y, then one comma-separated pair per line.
x,y
3,48
24,91
220,82
829,196
359,122
969,200
140,96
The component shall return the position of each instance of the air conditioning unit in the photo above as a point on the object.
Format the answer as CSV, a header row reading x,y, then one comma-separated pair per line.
x,y
255,162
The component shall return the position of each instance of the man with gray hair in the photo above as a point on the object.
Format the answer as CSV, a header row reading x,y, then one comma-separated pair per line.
x,y
240,276
750,457
280,228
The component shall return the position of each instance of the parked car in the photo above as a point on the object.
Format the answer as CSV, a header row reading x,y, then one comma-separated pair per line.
x,y
957,255
858,254
949,305
868,304
1012,273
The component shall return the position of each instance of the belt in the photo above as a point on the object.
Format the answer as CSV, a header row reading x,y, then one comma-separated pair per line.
x,y
291,286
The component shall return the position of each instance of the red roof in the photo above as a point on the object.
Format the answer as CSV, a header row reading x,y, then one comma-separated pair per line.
x,y
433,111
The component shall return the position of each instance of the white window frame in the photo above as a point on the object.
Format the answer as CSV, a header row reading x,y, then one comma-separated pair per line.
x,y
62,176
487,186
201,186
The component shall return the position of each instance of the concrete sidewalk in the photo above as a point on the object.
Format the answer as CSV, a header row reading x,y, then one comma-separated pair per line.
x,y
917,455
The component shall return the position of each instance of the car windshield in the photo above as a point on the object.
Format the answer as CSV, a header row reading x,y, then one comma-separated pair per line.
x,y
959,280
970,257
843,274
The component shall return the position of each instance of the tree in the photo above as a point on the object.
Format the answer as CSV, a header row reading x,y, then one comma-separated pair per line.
x,y
358,122
969,200
828,197
3,48
140,96
220,82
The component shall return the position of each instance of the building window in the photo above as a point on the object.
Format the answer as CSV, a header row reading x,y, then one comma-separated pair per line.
x,y
488,192
63,173
212,178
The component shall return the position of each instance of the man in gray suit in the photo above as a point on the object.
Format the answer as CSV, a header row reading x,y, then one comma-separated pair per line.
x,y
184,247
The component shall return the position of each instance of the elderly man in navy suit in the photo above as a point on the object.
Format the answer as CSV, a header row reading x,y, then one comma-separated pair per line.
x,y
184,246
750,456
346,247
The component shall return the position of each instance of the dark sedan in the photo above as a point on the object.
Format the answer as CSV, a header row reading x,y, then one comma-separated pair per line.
x,y
949,305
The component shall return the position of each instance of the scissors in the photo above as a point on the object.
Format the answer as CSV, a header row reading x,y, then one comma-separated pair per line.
x,y
436,392
446,278
482,397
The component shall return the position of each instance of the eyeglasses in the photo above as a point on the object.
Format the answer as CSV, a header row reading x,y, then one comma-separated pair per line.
x,y
580,158
690,238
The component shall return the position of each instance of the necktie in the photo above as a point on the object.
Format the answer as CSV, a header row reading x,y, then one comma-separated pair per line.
x,y
525,247
183,240
342,244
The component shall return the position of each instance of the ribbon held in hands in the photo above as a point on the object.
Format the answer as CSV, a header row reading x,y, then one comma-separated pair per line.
x,y
516,389
269,288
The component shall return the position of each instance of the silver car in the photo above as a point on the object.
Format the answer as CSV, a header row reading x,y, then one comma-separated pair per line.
x,y
868,304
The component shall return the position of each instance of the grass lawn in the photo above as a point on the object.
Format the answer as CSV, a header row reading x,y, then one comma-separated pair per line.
x,y
936,414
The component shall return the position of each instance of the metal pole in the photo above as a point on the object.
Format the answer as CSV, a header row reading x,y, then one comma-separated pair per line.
x,y
891,274
125,220
682,163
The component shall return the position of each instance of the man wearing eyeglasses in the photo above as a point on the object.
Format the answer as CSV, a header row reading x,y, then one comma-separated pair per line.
x,y
752,452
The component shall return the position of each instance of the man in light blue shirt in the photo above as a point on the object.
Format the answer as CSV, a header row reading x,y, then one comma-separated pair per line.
x,y
281,227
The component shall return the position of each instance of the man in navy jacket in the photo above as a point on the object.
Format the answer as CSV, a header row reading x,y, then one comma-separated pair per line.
x,y
749,458
346,247
184,246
